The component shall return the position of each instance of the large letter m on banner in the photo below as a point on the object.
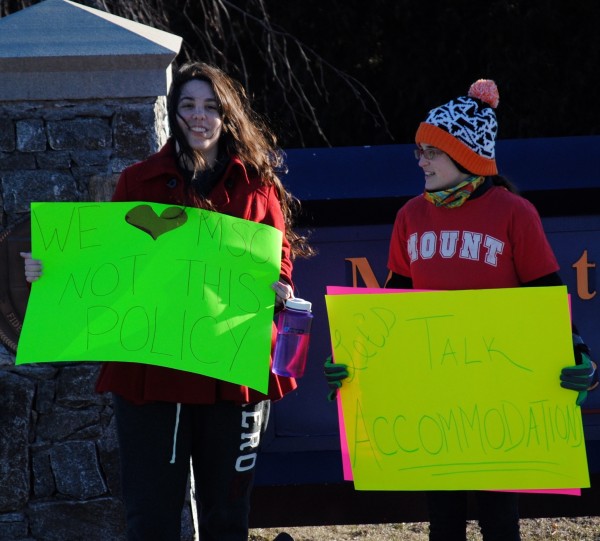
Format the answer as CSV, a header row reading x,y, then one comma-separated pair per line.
x,y
362,274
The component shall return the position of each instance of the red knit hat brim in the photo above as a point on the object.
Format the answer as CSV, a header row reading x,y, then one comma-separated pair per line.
x,y
457,150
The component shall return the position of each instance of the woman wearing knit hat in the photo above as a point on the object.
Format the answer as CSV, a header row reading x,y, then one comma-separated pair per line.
x,y
469,230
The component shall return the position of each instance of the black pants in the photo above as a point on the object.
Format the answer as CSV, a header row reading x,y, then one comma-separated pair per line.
x,y
497,512
156,443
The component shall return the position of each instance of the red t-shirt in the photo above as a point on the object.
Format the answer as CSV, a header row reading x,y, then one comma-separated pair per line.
x,y
492,241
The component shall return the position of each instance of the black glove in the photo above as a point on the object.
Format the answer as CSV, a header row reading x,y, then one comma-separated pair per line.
x,y
334,374
583,376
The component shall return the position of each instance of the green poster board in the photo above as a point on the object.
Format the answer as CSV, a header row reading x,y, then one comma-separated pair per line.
x,y
143,282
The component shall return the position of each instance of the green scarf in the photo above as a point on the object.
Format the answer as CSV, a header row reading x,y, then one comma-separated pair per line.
x,y
455,196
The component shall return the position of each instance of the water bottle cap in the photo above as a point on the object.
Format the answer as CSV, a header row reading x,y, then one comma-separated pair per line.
x,y
298,304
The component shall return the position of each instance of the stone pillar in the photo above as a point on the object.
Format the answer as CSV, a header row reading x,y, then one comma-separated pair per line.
x,y
74,112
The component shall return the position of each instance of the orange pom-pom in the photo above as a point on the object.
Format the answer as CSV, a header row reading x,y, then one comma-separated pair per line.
x,y
486,91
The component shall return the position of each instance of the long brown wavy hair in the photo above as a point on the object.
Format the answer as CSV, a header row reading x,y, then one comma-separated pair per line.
x,y
244,134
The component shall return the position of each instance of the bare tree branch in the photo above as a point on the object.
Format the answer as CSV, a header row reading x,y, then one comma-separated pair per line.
x,y
219,31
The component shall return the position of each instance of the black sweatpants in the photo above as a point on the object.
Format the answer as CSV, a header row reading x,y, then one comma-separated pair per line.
x,y
156,442
497,513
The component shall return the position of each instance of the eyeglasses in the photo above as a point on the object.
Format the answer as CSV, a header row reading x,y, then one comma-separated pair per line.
x,y
428,153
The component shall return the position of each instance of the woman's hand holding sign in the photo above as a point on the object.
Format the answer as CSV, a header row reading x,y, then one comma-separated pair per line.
x,y
33,267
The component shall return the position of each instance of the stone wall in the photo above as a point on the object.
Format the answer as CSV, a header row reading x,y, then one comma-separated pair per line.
x,y
72,151
59,461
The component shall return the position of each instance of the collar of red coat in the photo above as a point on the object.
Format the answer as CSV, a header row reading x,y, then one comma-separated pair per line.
x,y
166,159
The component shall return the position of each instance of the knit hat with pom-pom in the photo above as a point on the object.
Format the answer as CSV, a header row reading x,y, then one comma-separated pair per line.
x,y
466,128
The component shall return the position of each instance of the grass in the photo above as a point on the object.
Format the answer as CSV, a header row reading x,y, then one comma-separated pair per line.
x,y
543,529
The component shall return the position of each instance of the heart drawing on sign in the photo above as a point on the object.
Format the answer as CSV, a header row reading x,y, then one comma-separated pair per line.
x,y
143,217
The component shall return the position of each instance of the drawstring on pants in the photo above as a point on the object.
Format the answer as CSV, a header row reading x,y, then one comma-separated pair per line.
x,y
175,433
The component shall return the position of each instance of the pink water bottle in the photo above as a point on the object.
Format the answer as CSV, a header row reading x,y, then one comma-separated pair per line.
x,y
293,335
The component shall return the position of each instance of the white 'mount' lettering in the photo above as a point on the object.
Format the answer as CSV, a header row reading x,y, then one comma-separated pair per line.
x,y
428,244
412,247
449,241
470,245
494,247
449,244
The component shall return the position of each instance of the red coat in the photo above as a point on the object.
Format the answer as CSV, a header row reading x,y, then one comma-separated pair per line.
x,y
158,180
